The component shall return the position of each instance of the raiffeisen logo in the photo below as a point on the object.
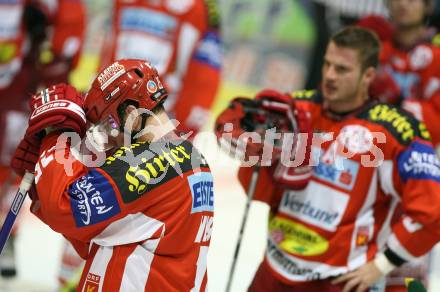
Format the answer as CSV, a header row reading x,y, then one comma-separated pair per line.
x,y
110,74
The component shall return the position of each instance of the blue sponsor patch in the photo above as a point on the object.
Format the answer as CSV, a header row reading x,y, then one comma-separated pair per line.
x,y
149,21
202,189
419,161
92,199
343,176
210,50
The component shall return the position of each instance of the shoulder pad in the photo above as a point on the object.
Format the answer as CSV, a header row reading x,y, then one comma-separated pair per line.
x,y
143,167
401,124
213,13
307,95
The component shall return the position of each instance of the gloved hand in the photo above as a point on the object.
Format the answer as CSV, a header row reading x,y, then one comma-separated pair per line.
x,y
57,107
269,110
26,156
245,127
293,169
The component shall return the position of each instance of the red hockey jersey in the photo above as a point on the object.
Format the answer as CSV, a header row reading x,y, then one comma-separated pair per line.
x,y
413,75
143,220
29,31
364,164
181,39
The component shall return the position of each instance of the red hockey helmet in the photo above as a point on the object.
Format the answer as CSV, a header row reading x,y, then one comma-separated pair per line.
x,y
130,79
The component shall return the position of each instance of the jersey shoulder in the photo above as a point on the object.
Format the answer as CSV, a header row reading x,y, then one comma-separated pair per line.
x,y
314,96
144,166
402,125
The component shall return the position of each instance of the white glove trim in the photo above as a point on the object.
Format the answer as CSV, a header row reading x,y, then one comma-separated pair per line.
x,y
59,104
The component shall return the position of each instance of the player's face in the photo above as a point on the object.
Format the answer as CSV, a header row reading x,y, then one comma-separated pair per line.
x,y
407,13
341,74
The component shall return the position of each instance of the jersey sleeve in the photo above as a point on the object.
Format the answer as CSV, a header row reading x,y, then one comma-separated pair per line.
x,y
72,199
85,204
201,77
416,176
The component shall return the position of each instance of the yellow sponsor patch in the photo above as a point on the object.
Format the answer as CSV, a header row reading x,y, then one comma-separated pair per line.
x,y
7,52
424,132
303,94
296,238
391,116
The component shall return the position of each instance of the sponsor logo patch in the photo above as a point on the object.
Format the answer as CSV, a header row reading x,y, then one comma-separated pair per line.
x,y
148,21
210,50
296,238
202,190
419,162
341,172
282,261
142,167
362,235
151,86
110,74
421,57
318,205
357,139
92,199
403,126
92,283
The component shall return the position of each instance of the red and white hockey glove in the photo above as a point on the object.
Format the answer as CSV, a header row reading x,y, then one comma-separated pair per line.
x,y
26,156
270,114
247,129
57,107
293,169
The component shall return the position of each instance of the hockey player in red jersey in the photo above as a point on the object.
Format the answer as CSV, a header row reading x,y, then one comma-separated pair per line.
x,y
143,218
181,38
40,42
409,73
336,234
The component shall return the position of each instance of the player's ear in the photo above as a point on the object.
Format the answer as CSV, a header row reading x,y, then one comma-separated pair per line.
x,y
131,110
369,75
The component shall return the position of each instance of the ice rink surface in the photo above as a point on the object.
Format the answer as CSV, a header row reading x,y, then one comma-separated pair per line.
x,y
39,248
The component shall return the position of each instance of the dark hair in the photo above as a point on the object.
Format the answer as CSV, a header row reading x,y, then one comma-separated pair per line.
x,y
362,40
123,106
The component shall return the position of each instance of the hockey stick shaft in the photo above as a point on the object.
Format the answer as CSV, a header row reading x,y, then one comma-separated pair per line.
x,y
250,196
25,185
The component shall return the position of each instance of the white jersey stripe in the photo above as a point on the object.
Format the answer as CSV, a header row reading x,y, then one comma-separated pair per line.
x,y
385,229
135,278
386,178
365,220
129,229
100,263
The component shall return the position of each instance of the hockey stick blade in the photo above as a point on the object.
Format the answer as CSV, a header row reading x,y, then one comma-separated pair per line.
x,y
25,185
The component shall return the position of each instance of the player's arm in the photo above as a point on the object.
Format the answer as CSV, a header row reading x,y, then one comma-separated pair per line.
x,y
199,66
417,179
256,118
